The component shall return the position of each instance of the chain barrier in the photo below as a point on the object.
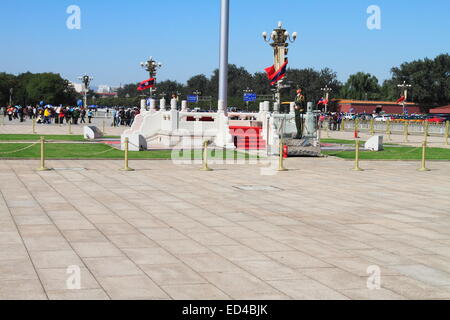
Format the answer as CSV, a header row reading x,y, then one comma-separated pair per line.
x,y
19,150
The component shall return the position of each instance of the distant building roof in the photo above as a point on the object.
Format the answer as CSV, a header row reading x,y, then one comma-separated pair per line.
x,y
349,101
445,109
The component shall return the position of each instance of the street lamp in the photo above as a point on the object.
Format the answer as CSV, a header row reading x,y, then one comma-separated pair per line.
x,y
405,88
11,90
151,66
86,80
279,42
327,91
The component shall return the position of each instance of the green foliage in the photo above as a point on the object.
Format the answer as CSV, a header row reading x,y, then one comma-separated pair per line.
x,y
361,86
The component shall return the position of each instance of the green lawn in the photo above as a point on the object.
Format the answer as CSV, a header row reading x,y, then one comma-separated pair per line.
x,y
397,153
101,151
35,137
339,141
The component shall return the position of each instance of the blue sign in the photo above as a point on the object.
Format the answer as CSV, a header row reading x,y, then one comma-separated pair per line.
x,y
80,103
192,98
249,97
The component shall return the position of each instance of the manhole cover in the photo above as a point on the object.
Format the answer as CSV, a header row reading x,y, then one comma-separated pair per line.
x,y
69,169
257,188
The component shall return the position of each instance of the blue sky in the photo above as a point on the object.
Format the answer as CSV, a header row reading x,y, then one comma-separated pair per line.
x,y
184,35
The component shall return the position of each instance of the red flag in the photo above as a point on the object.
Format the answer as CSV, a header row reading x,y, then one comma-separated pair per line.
x,y
401,99
270,72
279,74
147,84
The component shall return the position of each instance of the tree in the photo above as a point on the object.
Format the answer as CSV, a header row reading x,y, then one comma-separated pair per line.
x,y
361,86
430,80
7,81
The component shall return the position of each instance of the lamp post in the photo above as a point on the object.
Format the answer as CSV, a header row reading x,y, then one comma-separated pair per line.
x,y
248,90
223,56
327,91
280,45
151,66
86,80
405,88
11,90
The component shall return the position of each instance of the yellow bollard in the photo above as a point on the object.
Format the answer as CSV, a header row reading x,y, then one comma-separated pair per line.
x,y
357,168
388,129
424,150
33,124
281,158
372,127
343,125
126,167
406,131
70,126
205,157
104,130
447,129
43,167
425,130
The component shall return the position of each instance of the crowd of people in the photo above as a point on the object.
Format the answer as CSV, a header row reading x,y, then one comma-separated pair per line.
x,y
333,119
75,115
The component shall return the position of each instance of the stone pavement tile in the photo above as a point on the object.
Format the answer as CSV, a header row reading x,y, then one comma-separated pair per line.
x,y
297,259
112,267
132,241
264,244
212,238
19,269
105,218
172,274
375,229
440,250
424,274
86,294
238,216
148,222
10,237
316,249
39,231
307,290
336,278
366,294
33,220
55,259
268,269
111,229
427,233
162,233
182,246
208,262
150,256
45,243
57,279
132,287
74,224
381,257
35,211
237,252
9,251
433,261
22,290
64,214
84,236
96,249
358,266
195,292
244,286
216,222
413,289
341,243
238,232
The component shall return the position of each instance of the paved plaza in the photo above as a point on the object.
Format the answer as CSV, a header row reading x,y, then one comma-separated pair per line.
x,y
174,232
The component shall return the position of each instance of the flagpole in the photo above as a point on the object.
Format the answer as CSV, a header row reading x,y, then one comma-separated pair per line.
x,y
223,59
